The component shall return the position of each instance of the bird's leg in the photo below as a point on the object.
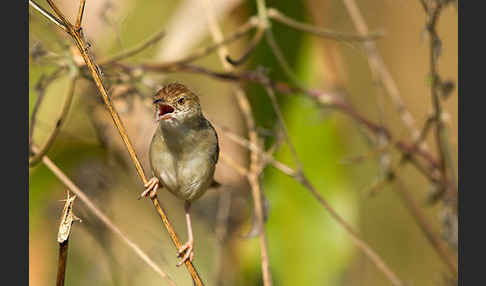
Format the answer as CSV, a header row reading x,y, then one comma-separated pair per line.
x,y
150,188
188,247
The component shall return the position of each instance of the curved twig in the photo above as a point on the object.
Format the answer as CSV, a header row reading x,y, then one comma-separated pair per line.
x,y
281,18
253,43
128,53
240,32
62,118
41,87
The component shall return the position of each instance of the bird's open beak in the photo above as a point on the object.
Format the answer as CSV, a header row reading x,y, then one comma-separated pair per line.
x,y
163,112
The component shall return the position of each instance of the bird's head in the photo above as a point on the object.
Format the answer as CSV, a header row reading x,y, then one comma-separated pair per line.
x,y
175,104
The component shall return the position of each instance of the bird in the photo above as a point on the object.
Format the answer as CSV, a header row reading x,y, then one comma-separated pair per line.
x,y
183,152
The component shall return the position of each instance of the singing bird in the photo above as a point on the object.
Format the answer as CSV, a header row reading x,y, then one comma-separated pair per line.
x,y
183,152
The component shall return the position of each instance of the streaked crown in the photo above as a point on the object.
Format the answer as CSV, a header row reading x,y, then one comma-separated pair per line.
x,y
172,91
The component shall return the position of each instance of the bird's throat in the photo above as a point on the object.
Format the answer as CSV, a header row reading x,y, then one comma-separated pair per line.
x,y
183,136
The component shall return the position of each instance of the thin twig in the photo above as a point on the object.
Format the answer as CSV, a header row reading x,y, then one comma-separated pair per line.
x,y
436,242
321,32
98,213
240,32
376,64
128,53
301,177
425,130
242,171
283,126
79,20
369,154
433,13
365,248
254,148
245,108
253,43
41,87
420,218
62,118
277,52
83,49
48,15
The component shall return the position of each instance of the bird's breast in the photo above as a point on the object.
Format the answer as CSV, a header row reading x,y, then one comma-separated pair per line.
x,y
185,172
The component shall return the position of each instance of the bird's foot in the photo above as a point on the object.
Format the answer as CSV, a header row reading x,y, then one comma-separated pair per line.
x,y
150,188
188,249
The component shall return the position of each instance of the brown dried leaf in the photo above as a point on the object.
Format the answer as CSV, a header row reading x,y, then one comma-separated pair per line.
x,y
67,219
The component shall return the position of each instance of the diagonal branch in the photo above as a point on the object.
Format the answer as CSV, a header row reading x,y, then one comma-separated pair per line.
x,y
436,242
48,15
95,73
378,66
302,178
126,54
97,212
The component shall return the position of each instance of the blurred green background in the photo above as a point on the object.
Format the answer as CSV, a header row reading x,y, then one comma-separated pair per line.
x,y
306,246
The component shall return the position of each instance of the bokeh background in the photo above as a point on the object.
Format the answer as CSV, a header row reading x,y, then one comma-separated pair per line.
x,y
306,246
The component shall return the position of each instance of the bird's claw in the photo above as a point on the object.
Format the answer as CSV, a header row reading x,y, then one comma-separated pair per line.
x,y
188,249
150,188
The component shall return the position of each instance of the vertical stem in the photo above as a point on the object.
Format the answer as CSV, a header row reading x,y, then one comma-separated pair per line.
x,y
80,14
245,108
98,213
433,12
61,265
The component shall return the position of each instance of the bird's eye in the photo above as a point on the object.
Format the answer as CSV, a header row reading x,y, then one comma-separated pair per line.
x,y
181,100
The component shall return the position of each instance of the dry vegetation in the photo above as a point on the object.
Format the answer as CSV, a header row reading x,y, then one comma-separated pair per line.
x,y
117,80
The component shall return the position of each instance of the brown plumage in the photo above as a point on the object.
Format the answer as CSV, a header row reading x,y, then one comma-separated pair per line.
x,y
184,150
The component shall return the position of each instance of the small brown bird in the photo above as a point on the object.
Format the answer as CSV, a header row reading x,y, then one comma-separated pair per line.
x,y
183,152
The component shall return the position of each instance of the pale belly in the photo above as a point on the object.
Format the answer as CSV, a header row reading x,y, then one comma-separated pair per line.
x,y
186,178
